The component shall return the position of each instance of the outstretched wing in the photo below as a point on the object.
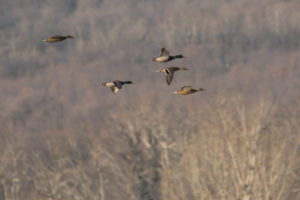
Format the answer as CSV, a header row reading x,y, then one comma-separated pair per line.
x,y
186,87
177,68
164,52
173,68
114,89
169,76
56,37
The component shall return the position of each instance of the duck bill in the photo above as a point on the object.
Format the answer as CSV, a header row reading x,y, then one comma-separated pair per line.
x,y
175,92
154,59
104,84
45,40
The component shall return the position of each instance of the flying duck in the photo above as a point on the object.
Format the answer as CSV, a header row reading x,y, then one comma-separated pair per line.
x,y
57,38
188,90
165,57
169,72
115,86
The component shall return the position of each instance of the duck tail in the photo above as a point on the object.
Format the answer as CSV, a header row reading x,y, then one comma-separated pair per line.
x,y
179,56
70,36
128,82
183,68
200,89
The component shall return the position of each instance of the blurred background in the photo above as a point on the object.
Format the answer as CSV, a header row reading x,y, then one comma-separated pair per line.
x,y
64,136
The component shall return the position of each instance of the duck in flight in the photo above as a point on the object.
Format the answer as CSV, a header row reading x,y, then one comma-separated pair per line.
x,y
57,38
169,72
115,86
165,56
188,90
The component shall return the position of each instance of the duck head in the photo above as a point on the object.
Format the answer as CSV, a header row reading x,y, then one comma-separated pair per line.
x,y
161,70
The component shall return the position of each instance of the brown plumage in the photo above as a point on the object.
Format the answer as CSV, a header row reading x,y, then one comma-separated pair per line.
x,y
188,90
169,72
57,38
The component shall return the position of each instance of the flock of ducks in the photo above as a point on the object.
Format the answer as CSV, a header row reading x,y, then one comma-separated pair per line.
x,y
164,56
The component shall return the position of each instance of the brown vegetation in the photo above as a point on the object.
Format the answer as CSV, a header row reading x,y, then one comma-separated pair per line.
x,y
63,136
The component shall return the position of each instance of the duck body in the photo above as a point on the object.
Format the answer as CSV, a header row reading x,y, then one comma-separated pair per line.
x,y
165,56
162,59
115,86
57,38
188,90
169,72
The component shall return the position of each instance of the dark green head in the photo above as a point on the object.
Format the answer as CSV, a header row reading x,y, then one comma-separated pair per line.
x,y
179,56
128,82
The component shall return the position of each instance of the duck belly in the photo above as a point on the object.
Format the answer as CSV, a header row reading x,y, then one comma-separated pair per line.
x,y
162,59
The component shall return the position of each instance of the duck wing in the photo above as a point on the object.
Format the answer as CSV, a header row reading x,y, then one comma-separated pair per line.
x,y
169,76
114,89
164,52
177,68
184,88
56,37
173,68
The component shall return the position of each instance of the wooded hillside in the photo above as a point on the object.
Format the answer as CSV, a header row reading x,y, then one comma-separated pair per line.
x,y
64,136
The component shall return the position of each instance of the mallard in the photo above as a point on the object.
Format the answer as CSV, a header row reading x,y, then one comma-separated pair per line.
x,y
115,86
165,57
57,38
188,90
169,72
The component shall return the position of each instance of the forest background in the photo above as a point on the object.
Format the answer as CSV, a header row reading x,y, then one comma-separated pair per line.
x,y
64,136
